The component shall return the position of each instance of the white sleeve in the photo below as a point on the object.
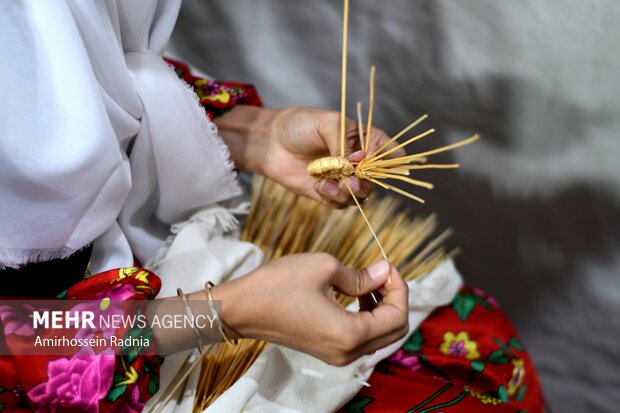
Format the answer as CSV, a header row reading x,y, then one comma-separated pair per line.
x,y
62,176
84,82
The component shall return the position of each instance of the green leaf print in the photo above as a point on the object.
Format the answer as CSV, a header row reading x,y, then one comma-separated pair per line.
x,y
357,404
115,393
414,342
464,304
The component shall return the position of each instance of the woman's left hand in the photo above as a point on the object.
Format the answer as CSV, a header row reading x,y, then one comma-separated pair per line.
x,y
280,143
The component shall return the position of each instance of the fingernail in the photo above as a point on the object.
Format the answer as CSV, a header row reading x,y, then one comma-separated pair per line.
x,y
330,188
378,269
355,184
357,156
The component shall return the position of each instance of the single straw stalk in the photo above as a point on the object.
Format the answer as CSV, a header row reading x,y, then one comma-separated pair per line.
x,y
343,94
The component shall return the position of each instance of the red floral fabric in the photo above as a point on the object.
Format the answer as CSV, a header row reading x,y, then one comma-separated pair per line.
x,y
215,96
465,357
85,382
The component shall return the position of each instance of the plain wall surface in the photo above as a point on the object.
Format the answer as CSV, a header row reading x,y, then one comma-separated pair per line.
x,y
536,203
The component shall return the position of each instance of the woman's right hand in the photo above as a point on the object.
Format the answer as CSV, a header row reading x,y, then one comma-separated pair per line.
x,y
291,301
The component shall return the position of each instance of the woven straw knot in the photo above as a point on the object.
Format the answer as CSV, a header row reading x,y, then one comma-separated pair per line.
x,y
331,167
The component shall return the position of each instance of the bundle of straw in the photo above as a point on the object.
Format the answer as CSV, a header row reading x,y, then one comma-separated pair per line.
x,y
283,223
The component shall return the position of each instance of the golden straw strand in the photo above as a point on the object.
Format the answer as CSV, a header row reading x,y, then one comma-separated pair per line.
x,y
431,166
399,134
431,246
343,97
395,170
366,219
360,128
398,190
416,182
421,232
398,162
464,142
402,145
167,395
445,148
371,105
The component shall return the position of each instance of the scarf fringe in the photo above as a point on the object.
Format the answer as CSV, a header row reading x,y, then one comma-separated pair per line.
x,y
16,258
213,221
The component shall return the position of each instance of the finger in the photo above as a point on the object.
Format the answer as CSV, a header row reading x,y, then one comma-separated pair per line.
x,y
371,346
325,199
360,187
378,138
332,191
352,139
389,318
357,156
329,131
328,202
355,283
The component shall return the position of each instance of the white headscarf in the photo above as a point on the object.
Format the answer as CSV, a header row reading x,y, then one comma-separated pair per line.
x,y
83,83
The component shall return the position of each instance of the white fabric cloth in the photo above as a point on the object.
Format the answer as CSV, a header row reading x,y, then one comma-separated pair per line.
x,y
83,83
281,380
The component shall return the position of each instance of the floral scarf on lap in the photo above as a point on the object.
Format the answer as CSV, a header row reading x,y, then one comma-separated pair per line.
x,y
464,358
84,382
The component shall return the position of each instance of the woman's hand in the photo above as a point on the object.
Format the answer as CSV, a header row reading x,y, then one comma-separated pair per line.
x,y
280,143
291,301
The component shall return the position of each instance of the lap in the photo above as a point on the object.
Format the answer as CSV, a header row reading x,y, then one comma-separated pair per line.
x,y
465,357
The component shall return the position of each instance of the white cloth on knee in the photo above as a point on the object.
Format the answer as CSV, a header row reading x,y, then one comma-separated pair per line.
x,y
281,380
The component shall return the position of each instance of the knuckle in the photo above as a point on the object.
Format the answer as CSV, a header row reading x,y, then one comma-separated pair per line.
x,y
362,335
329,263
404,329
339,360
332,116
320,257
349,343
345,343
346,359
355,336
359,281
403,325
333,335
342,347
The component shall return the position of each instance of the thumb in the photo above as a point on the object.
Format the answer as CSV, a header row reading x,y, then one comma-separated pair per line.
x,y
355,283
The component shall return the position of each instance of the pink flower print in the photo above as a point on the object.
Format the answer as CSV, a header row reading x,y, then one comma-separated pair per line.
x,y
108,304
77,383
457,348
16,321
18,391
409,361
